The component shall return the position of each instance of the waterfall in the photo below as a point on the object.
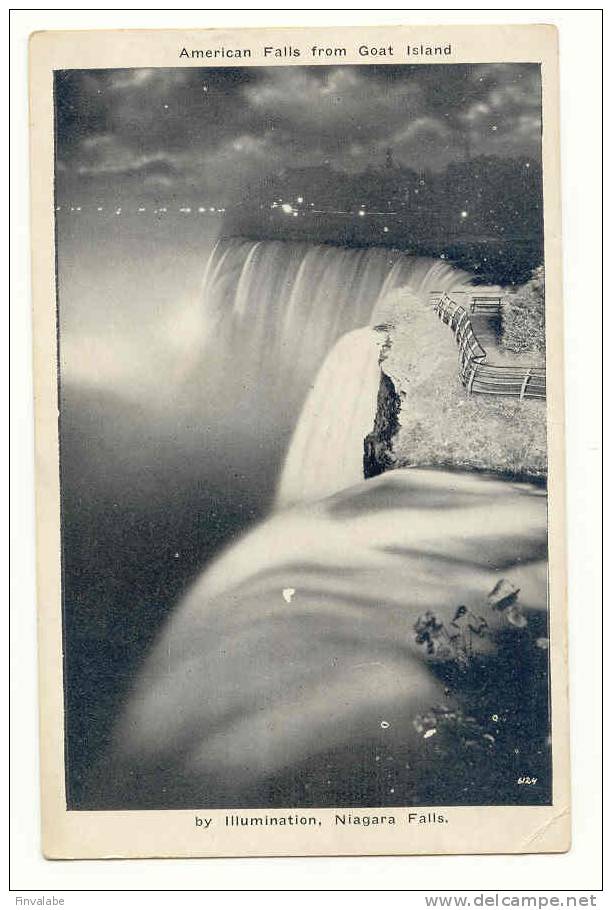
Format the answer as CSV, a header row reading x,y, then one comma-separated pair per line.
x,y
279,307
274,310
326,451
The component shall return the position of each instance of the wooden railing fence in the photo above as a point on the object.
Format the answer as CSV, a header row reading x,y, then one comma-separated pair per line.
x,y
476,374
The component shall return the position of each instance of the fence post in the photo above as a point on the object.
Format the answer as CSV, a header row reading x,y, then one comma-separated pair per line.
x,y
524,386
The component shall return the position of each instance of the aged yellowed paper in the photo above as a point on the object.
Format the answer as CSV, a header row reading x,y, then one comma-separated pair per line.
x,y
298,375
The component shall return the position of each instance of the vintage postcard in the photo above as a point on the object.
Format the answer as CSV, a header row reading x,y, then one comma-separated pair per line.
x,y
299,397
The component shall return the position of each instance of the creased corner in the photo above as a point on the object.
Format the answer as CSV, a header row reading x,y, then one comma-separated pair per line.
x,y
541,834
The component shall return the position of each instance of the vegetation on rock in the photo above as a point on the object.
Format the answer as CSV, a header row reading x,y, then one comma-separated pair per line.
x,y
492,735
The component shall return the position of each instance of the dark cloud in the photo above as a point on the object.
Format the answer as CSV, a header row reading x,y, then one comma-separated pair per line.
x,y
213,132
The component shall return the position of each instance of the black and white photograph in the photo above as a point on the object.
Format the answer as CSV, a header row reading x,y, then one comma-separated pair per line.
x,y
301,302
303,436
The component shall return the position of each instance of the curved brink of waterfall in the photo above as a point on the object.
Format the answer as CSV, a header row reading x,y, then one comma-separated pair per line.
x,y
275,311
282,306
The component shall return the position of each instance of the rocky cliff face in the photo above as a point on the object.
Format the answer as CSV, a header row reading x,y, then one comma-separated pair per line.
x,y
378,445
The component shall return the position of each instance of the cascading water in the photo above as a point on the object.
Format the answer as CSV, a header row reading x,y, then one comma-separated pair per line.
x,y
278,308
274,312
326,451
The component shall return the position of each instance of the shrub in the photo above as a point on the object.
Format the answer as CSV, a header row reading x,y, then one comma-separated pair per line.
x,y
523,320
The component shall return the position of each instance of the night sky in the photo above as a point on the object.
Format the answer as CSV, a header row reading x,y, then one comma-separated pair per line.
x,y
205,134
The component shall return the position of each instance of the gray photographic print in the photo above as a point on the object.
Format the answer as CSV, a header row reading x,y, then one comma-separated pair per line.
x,y
303,436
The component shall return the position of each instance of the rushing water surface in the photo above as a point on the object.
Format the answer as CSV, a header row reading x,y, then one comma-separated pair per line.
x,y
291,675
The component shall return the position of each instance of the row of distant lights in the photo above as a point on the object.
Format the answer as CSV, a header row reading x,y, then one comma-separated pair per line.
x,y
186,210
288,209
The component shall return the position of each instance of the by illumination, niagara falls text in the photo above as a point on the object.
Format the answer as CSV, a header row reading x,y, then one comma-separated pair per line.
x,y
339,819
